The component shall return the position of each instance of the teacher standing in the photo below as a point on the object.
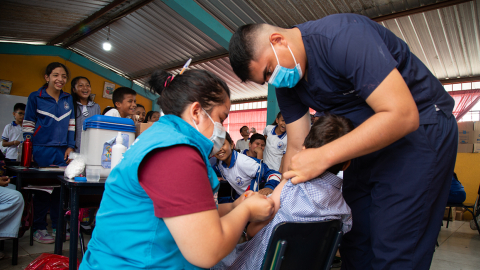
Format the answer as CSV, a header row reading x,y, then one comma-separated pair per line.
x,y
159,209
404,144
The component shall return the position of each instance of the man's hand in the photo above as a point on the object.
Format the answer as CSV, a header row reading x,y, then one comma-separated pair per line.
x,y
4,180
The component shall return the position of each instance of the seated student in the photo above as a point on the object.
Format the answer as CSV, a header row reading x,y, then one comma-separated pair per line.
x,y
140,111
124,101
457,191
11,207
276,146
256,146
318,199
152,116
242,144
12,135
242,172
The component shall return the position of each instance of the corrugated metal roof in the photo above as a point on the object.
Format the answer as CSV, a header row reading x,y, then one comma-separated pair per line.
x,y
447,40
221,67
40,21
286,13
152,36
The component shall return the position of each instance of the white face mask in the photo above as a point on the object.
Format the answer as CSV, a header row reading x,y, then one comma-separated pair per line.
x,y
218,136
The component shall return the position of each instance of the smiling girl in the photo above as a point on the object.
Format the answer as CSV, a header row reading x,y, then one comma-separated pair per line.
x,y
83,105
50,122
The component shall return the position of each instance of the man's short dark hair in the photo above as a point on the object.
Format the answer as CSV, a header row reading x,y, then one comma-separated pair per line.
x,y
242,128
257,136
19,106
119,94
241,49
326,129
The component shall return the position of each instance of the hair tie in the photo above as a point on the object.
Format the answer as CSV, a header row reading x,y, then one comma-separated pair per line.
x,y
168,80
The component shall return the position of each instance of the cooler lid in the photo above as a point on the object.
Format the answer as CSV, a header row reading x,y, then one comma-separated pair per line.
x,y
110,123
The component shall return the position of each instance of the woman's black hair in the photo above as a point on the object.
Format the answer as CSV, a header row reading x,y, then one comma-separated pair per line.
x,y
176,93
75,95
278,116
53,66
228,138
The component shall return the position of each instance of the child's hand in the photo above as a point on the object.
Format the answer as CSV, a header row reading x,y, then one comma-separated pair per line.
x,y
258,150
261,207
265,191
67,153
4,181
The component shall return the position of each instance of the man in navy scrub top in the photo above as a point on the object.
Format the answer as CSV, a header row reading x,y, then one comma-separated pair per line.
x,y
405,141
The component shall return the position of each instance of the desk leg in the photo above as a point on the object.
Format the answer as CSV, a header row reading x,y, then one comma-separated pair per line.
x,y
60,223
74,228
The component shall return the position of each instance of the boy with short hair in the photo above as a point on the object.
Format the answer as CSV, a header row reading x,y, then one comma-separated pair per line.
x,y
256,146
315,200
124,100
12,135
242,144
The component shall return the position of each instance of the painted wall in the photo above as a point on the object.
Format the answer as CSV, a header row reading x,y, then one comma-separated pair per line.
x,y
26,73
467,168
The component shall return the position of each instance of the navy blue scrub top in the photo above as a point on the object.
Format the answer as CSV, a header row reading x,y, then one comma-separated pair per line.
x,y
348,56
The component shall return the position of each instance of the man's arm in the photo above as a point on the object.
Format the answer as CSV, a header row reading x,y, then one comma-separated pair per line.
x,y
396,115
296,132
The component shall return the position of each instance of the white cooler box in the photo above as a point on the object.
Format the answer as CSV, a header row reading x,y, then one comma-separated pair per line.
x,y
99,129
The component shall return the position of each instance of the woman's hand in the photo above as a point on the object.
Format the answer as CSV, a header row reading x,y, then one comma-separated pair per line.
x,y
69,150
4,180
261,208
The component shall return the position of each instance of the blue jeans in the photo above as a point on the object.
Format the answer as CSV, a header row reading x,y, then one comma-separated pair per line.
x,y
11,209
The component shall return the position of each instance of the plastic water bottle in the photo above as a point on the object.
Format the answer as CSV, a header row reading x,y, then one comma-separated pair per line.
x,y
117,151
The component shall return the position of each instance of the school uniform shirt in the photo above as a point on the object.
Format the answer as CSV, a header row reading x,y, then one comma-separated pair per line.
x,y
275,148
83,112
115,113
315,200
48,122
12,132
242,144
244,171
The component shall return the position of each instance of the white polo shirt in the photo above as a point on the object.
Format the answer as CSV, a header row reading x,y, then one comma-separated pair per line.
x,y
242,144
275,148
12,132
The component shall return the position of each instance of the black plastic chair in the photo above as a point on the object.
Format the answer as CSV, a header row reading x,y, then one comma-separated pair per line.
x,y
303,245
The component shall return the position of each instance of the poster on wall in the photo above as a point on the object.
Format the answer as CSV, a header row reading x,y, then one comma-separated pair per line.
x,y
5,87
108,90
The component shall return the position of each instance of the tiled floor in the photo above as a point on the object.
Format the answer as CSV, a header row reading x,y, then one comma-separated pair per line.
x,y
459,249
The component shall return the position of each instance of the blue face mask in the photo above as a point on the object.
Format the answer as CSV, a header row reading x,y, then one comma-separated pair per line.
x,y
285,77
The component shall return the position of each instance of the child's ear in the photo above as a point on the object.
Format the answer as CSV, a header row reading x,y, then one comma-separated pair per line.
x,y
346,165
303,147
118,104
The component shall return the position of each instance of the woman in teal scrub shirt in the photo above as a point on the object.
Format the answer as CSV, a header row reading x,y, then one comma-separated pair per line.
x,y
159,208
